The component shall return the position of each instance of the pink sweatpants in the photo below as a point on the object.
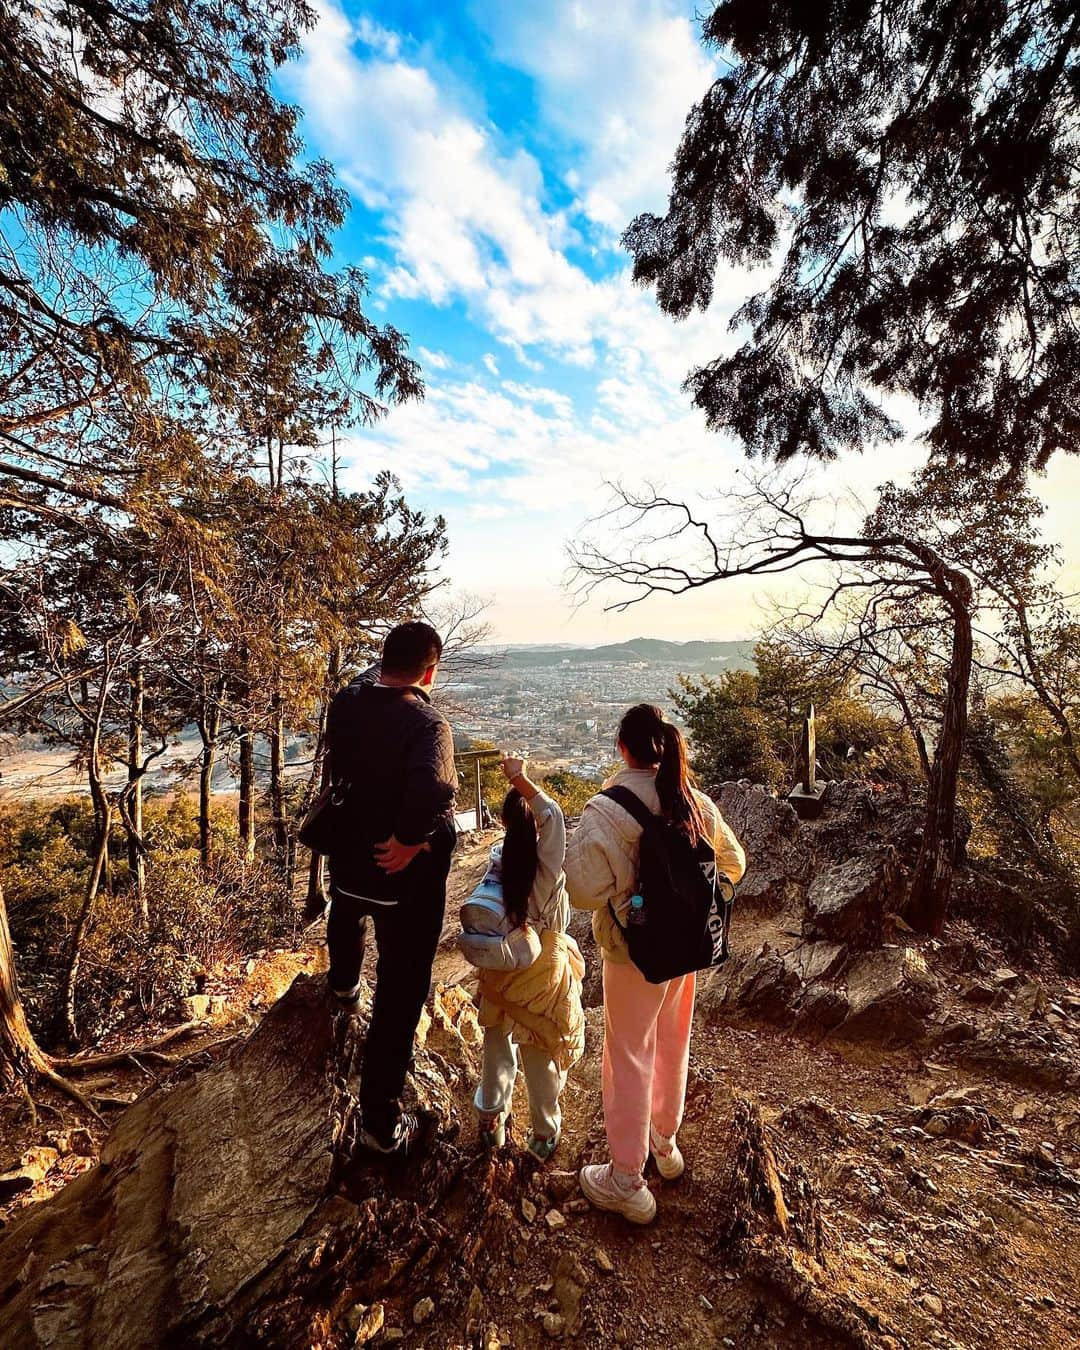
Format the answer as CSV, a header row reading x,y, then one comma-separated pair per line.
x,y
646,1058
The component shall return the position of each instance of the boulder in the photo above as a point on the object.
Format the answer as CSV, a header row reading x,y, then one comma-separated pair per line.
x,y
891,993
775,843
821,1010
847,899
761,984
818,960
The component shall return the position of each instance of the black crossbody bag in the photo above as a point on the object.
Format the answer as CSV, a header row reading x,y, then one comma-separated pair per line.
x,y
325,826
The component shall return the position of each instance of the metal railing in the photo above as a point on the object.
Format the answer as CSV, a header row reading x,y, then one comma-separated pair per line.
x,y
467,763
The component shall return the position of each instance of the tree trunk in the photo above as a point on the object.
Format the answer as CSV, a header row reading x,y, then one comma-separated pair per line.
x,y
279,822
134,814
931,882
67,1021
20,1056
209,725
64,1016
316,900
236,1211
247,795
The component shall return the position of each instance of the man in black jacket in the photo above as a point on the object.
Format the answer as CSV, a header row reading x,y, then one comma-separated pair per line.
x,y
396,753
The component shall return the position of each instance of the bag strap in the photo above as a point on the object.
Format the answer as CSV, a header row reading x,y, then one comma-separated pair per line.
x,y
631,803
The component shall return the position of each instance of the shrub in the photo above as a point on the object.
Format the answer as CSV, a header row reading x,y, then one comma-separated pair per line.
x,y
197,920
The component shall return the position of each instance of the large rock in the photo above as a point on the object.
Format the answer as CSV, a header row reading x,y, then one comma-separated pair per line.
x,y
779,863
847,899
859,816
891,995
822,988
835,880
762,984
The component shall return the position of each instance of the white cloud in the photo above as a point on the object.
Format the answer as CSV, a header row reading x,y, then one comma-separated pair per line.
x,y
468,221
560,404
380,39
617,81
518,468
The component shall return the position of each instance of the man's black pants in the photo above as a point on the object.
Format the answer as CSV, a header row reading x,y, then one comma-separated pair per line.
x,y
407,935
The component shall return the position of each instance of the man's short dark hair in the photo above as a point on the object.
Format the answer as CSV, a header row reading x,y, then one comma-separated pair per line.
x,y
410,649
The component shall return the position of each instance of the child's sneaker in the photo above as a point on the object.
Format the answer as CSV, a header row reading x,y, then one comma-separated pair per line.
x,y
491,1126
542,1148
398,1140
602,1188
669,1161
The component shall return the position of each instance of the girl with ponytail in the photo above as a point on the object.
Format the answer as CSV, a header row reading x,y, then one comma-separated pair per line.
x,y
646,1026
530,1015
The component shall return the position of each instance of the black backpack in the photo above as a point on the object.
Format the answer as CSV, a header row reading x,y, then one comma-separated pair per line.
x,y
686,914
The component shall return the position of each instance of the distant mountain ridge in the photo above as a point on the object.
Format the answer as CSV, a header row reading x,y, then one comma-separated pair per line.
x,y
695,655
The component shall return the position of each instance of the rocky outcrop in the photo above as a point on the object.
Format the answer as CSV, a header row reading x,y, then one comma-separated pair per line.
x,y
235,1209
838,882
891,995
777,845
824,988
847,899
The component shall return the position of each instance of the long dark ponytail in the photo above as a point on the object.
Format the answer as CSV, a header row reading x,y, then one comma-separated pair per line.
x,y
652,741
519,857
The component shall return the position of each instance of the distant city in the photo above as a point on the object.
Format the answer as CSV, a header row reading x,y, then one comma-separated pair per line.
x,y
558,705
561,705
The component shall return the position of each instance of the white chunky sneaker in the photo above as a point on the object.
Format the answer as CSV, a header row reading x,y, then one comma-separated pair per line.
x,y
669,1161
602,1188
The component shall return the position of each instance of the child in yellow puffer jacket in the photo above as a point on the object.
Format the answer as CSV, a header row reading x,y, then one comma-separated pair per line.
x,y
534,1014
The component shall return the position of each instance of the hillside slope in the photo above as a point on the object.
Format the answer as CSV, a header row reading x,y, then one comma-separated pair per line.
x,y
929,1186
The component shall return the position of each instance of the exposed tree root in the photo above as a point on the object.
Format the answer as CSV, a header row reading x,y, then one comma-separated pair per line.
x,y
31,1109
83,1063
70,1090
245,1215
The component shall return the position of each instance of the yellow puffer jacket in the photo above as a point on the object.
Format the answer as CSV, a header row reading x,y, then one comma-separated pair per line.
x,y
602,856
542,1001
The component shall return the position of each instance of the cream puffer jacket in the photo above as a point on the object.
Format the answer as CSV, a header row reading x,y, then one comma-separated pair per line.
x,y
541,1002
602,856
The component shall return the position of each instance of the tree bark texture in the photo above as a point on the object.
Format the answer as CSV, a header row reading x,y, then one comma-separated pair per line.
x,y
931,882
233,1209
277,781
136,856
209,726
20,1057
247,795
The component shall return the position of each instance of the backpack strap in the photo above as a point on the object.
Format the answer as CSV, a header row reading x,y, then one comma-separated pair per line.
x,y
631,803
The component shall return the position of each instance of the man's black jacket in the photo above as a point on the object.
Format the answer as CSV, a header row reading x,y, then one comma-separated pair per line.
x,y
396,753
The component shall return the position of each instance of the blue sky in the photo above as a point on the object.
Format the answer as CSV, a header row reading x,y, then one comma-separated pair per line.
x,y
494,152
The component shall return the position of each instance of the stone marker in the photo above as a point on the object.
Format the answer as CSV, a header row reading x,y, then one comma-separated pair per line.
x,y
807,794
